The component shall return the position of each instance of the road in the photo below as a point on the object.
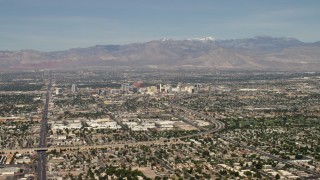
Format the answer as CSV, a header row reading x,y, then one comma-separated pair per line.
x,y
42,157
58,148
41,165
218,125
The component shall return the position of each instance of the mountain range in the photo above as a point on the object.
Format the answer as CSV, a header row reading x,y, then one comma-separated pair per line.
x,y
258,53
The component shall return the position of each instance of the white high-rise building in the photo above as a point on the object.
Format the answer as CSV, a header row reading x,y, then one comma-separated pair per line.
x,y
73,88
58,91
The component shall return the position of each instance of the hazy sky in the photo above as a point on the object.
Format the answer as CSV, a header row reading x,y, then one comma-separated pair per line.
x,y
49,25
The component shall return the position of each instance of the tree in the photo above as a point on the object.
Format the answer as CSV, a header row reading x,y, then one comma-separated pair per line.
x,y
80,176
299,156
90,173
205,154
248,173
258,175
259,165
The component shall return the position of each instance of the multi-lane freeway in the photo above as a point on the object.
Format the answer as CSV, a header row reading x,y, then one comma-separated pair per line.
x,y
41,165
218,125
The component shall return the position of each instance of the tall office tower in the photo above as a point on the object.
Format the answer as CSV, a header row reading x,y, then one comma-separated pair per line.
x,y
159,87
125,87
73,88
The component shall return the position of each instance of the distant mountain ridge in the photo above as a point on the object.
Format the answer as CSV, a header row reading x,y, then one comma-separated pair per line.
x,y
260,52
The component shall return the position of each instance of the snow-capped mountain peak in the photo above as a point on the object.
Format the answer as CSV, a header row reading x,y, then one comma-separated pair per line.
x,y
164,39
202,39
